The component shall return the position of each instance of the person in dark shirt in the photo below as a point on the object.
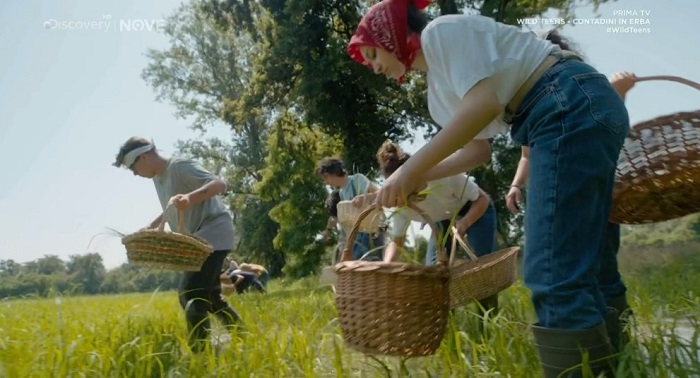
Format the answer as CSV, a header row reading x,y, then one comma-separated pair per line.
x,y
244,281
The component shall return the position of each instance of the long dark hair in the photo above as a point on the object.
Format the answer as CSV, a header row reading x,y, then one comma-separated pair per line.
x,y
563,42
417,20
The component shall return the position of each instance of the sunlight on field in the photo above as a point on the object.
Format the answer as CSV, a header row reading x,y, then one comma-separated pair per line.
x,y
291,332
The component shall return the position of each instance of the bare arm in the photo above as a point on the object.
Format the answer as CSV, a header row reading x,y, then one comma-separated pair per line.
x,y
206,191
521,174
623,82
372,190
476,211
479,107
474,154
391,253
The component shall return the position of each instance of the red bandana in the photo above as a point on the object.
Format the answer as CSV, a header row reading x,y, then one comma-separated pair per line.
x,y
385,25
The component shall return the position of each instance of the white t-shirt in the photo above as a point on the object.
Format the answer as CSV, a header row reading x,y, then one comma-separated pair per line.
x,y
462,50
444,199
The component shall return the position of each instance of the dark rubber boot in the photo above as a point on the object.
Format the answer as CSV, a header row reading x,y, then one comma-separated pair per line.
x,y
198,324
561,351
619,337
224,311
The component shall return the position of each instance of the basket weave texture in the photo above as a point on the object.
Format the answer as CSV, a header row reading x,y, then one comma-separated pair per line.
x,y
349,213
395,309
479,277
658,173
164,250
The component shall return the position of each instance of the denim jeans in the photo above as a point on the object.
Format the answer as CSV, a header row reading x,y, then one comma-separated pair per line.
x,y
481,236
609,279
575,124
364,243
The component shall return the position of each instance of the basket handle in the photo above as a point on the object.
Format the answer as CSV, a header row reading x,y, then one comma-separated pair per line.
x,y
676,79
180,219
347,252
457,238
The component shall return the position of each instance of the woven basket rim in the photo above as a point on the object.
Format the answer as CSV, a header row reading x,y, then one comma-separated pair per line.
x,y
192,240
400,268
486,261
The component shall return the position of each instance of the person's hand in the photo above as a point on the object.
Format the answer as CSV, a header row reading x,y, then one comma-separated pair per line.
x,y
398,187
623,82
513,199
358,201
181,201
462,225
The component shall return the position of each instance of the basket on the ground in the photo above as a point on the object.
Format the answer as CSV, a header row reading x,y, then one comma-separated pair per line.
x,y
166,250
479,277
658,174
227,287
396,309
348,213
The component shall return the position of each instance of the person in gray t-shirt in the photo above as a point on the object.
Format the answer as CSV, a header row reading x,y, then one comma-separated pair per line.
x,y
194,192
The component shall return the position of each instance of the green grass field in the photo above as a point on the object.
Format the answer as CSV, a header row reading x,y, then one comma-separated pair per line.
x,y
293,333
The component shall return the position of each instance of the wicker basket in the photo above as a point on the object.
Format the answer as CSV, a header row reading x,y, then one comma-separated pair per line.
x,y
395,309
479,277
227,287
348,213
166,250
658,174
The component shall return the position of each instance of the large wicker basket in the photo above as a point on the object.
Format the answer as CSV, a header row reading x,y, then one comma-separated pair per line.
x,y
479,277
348,213
658,174
395,309
166,250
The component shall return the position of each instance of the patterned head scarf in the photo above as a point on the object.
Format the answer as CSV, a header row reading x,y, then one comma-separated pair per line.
x,y
385,25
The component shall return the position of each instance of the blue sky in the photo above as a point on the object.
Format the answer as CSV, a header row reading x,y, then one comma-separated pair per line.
x,y
69,98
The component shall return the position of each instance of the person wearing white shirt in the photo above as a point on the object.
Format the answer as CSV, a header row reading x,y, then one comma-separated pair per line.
x,y
484,78
456,200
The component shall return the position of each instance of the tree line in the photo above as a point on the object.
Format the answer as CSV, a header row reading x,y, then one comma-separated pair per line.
x,y
80,275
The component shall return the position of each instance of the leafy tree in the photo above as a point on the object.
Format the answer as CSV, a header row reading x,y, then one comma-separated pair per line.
x,y
87,271
50,264
9,268
289,180
205,74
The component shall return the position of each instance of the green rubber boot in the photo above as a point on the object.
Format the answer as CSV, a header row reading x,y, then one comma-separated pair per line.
x,y
618,327
561,351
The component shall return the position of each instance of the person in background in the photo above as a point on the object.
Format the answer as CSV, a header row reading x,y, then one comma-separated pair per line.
x,y
244,281
259,270
332,210
195,192
475,213
351,188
